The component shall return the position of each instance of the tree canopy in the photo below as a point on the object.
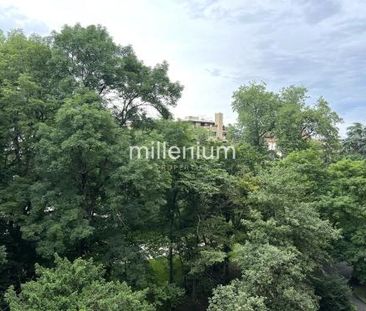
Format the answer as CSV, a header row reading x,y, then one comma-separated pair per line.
x,y
85,225
77,285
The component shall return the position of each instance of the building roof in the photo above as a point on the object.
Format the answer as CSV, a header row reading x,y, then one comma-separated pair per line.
x,y
198,119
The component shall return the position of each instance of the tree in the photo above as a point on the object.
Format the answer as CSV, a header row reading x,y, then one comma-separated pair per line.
x,y
257,110
344,206
273,278
193,182
334,293
284,211
189,223
355,142
297,123
74,160
285,241
62,151
88,57
26,99
77,285
233,297
285,118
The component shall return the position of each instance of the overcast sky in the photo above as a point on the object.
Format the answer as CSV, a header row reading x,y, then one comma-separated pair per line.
x,y
215,46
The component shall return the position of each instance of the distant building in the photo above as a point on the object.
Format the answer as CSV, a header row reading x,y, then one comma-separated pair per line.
x,y
271,142
216,127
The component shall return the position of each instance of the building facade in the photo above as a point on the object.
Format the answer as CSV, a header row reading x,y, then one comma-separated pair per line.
x,y
215,126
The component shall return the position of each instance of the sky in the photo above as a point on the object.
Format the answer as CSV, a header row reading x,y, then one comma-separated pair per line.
x,y
214,46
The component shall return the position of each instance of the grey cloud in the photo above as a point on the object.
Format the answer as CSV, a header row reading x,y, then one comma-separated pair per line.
x,y
214,10
197,8
224,74
215,72
313,11
317,10
351,27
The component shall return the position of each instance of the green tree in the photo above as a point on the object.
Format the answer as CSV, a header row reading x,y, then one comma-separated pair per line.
x,y
334,293
297,123
284,117
235,297
190,222
344,206
74,159
284,210
257,109
77,285
283,230
88,57
26,99
192,183
355,142
273,278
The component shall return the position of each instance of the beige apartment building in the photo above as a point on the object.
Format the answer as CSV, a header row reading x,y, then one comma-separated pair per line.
x,y
215,126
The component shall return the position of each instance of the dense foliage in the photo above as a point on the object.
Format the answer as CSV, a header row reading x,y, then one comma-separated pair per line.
x,y
85,226
75,286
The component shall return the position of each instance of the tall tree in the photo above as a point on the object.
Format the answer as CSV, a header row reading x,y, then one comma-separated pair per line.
x,y
26,99
298,123
343,204
284,241
74,159
257,110
355,142
285,119
88,57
